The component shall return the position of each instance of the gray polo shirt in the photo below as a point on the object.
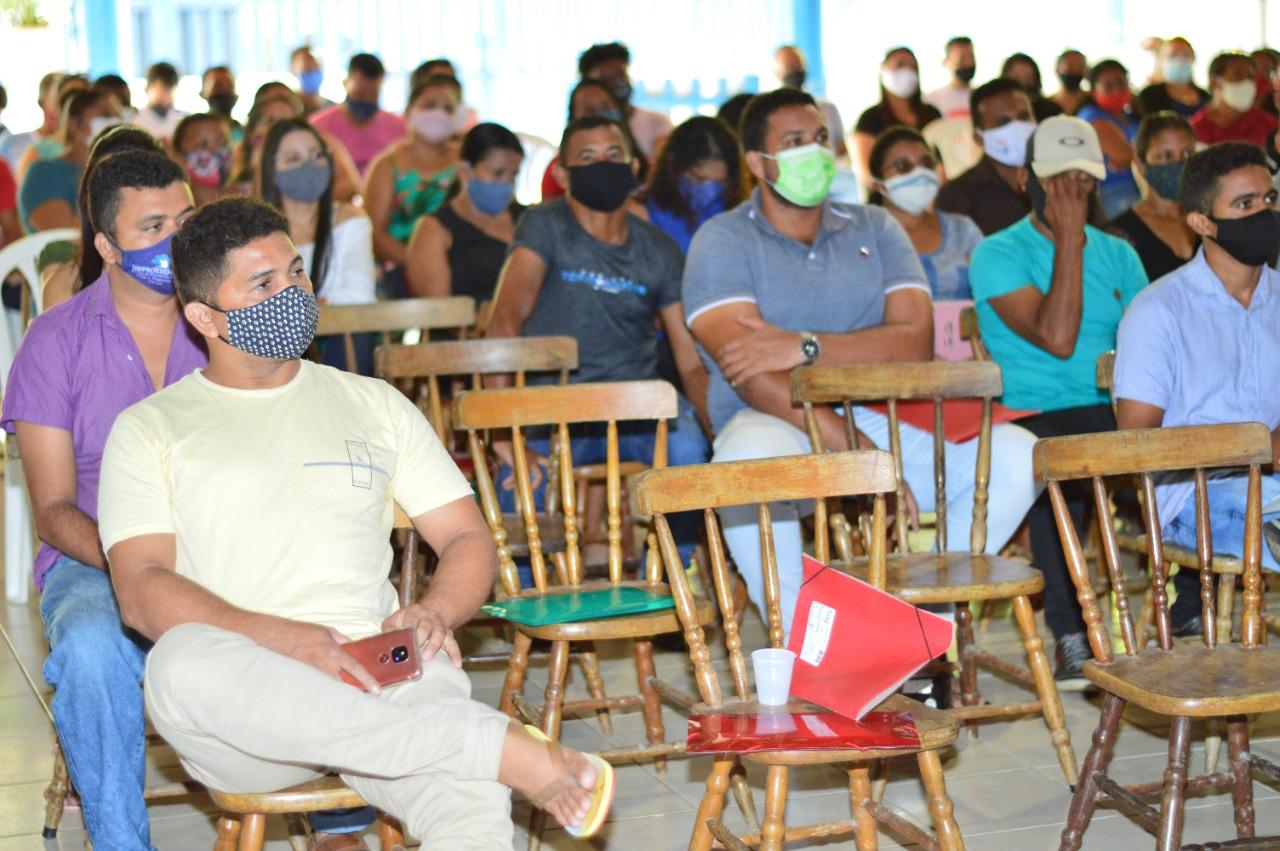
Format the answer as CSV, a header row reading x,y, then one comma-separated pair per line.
x,y
835,286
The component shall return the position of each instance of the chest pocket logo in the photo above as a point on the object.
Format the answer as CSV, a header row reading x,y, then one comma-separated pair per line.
x,y
361,467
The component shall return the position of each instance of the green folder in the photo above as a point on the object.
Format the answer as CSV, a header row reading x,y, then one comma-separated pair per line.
x,y
579,606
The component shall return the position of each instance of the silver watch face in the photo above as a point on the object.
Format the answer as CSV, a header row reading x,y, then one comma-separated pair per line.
x,y
809,348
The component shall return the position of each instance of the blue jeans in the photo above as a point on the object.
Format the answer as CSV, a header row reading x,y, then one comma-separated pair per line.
x,y
686,444
96,665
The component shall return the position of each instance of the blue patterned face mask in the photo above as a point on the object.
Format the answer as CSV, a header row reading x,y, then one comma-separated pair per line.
x,y
280,328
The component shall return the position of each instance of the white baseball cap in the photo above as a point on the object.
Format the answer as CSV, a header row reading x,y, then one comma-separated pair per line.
x,y
1063,143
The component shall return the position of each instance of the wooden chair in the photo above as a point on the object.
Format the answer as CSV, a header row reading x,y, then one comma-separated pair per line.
x,y
387,317
244,814
712,486
969,331
560,407
1214,679
949,576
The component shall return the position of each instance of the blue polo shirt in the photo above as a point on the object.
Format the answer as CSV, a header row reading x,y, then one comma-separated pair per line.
x,y
834,286
1186,346
1020,256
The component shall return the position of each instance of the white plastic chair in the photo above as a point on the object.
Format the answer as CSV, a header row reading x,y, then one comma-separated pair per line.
x,y
953,137
19,531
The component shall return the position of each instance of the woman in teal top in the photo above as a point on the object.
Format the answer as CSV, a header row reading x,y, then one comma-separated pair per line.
x,y
48,196
411,179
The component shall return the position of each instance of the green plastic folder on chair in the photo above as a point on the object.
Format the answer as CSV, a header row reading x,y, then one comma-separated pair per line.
x,y
579,606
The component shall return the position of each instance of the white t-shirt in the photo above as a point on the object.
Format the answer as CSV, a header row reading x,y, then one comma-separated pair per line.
x,y
649,128
350,275
160,127
951,101
281,500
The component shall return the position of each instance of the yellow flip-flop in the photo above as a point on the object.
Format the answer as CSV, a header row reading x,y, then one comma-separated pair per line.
x,y
601,795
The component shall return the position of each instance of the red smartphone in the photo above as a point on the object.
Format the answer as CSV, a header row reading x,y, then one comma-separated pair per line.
x,y
391,657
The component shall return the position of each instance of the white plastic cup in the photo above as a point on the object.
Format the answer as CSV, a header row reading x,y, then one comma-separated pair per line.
x,y
773,675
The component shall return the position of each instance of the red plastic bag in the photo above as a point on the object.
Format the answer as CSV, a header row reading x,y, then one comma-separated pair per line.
x,y
791,731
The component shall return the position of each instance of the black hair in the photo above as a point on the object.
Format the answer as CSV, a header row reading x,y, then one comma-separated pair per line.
x,y
1218,66
485,138
265,89
1070,51
697,140
122,137
1155,124
71,78
4,98
439,81
598,54
591,122
189,121
79,102
244,168
428,69
755,117
1100,68
1205,168
116,86
164,73
202,246
271,193
958,41
994,88
886,140
366,65
1035,69
216,69
730,112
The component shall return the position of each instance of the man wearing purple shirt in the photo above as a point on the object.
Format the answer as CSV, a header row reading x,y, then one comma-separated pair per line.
x,y
115,343
358,122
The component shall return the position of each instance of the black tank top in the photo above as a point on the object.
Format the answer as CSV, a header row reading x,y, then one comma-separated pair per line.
x,y
475,258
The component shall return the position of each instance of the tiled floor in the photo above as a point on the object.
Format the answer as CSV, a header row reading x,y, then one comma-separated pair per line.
x,y
1008,790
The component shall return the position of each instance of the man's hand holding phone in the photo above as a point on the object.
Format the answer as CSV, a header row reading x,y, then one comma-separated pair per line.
x,y
432,628
321,648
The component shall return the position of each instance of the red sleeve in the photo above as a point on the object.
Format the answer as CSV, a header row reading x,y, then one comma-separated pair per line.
x,y
551,188
8,189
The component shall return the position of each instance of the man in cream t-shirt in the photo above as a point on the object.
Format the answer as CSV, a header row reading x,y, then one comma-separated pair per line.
x,y
246,513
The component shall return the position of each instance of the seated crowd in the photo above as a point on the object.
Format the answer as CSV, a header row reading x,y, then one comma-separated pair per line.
x,y
168,367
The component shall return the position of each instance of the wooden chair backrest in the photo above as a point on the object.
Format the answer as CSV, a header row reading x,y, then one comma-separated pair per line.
x,y
388,317
711,486
558,407
517,356
969,331
407,589
1144,453
895,382
1104,375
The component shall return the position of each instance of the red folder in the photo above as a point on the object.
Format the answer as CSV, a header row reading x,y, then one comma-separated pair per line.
x,y
855,644
961,418
799,731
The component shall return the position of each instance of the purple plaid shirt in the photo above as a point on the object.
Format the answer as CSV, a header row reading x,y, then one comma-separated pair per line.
x,y
78,368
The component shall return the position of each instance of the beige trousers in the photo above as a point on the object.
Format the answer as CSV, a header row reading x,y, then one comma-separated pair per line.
x,y
245,719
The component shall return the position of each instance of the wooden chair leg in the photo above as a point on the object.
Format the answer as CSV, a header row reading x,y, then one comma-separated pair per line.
x,y
253,832
595,683
968,665
389,832
1175,786
775,806
866,835
742,794
228,833
945,828
513,683
1046,688
537,824
558,670
56,794
712,804
1095,763
651,703
1242,789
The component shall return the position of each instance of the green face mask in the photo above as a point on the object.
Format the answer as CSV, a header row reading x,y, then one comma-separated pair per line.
x,y
805,174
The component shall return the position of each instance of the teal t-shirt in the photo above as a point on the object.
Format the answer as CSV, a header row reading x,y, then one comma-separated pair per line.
x,y
1019,256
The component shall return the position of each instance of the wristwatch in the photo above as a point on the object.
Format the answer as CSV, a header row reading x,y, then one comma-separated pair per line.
x,y
809,347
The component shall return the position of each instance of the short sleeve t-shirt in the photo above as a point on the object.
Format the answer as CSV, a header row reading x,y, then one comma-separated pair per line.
x,y
948,268
605,296
1021,256
48,180
282,500
876,119
834,286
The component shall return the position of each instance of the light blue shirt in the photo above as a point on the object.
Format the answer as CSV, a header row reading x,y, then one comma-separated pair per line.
x,y
948,267
1186,346
1020,256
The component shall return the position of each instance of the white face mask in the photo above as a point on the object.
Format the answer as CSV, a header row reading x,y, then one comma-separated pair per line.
x,y
1007,144
903,82
434,125
913,192
1240,96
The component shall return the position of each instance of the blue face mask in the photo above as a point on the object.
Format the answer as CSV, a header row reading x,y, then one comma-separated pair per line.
x,y
490,198
612,114
309,81
150,267
703,198
362,110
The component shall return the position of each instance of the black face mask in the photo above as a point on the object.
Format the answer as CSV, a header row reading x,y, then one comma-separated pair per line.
x,y
603,186
794,80
965,73
222,104
1253,240
1071,82
622,89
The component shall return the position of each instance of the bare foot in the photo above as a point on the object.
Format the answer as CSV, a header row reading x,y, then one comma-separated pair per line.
x,y
557,779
